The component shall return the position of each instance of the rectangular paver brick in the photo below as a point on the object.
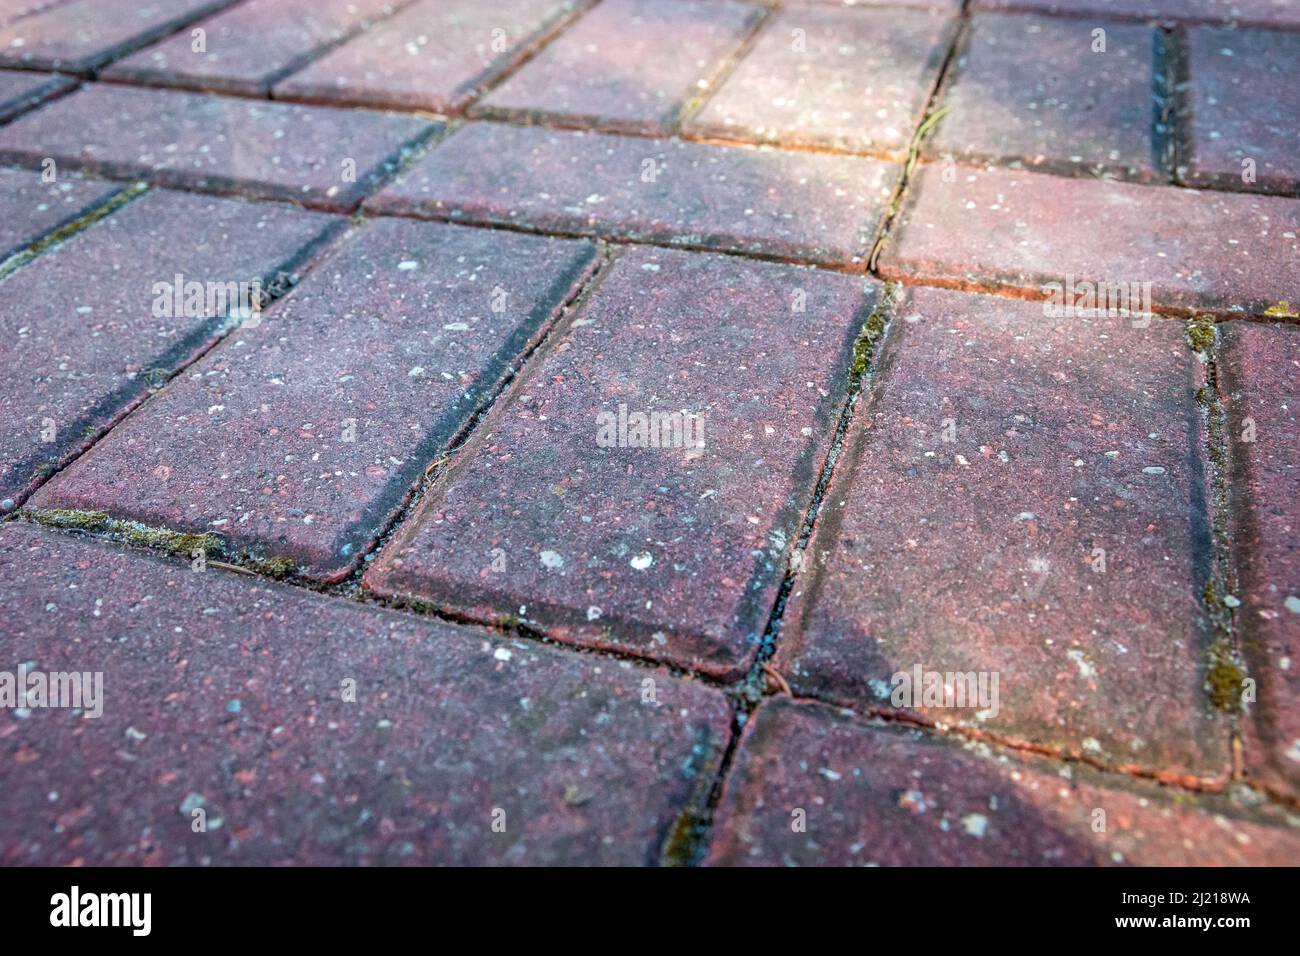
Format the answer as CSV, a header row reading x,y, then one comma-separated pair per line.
x,y
628,65
1005,458
1038,92
1278,13
1228,253
31,208
229,695
1260,372
672,553
301,437
80,332
248,48
1244,97
316,155
436,55
869,794
834,77
811,207
20,91
82,36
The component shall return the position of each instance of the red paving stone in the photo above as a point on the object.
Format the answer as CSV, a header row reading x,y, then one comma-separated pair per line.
x,y
628,65
841,78
82,36
1260,366
300,438
225,695
434,56
78,327
875,795
1036,91
251,46
1278,13
979,553
671,553
31,208
20,91
996,228
264,150
806,206
11,10
1244,98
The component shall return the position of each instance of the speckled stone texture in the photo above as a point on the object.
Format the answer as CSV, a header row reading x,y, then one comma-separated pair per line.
x,y
229,696
81,36
436,55
1001,450
1035,91
301,437
252,45
673,553
13,9
1244,98
31,208
840,78
1260,383
1276,13
79,339
810,207
995,228
628,65
871,794
314,155
20,91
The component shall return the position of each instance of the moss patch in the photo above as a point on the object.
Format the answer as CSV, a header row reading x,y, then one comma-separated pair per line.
x,y
1224,678
132,532
1201,334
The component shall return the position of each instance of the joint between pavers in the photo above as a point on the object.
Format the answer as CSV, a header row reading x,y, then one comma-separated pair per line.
x,y
61,234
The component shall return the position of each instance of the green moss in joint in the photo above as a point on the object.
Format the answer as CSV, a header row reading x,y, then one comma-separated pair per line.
x,y
1224,678
1201,334
132,532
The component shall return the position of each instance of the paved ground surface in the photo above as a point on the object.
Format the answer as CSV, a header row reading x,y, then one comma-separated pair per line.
x,y
547,431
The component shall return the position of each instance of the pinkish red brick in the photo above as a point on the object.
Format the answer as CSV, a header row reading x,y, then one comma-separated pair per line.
x,y
1020,500
815,787
947,5
11,10
1260,368
669,553
1278,13
314,155
997,228
300,438
1244,97
811,207
628,65
839,78
311,730
31,208
20,91
1034,91
78,332
82,36
252,45
436,55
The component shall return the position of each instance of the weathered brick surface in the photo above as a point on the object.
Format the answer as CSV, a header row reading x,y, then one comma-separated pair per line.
x,y
873,794
227,695
20,91
1035,91
1260,371
191,140
250,46
434,56
81,36
78,334
1278,13
301,437
671,553
11,10
1230,253
835,77
628,65
960,534
1244,98
31,208
807,206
